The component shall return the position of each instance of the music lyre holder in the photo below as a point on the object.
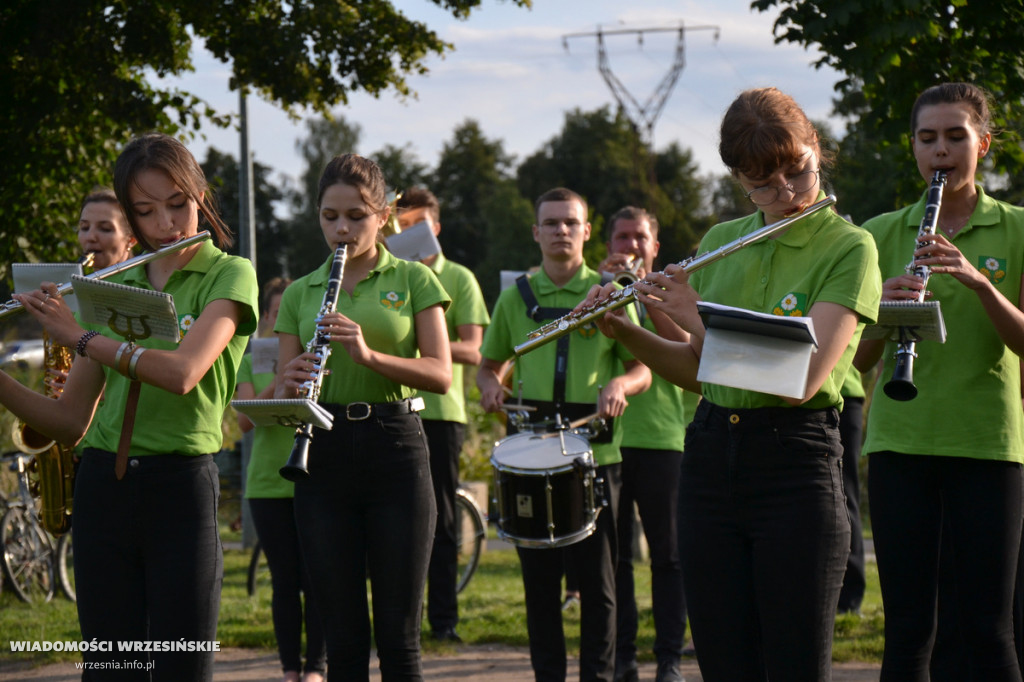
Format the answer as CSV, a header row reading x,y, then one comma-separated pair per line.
x,y
908,321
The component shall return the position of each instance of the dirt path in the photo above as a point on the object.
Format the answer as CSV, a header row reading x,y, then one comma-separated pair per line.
x,y
468,663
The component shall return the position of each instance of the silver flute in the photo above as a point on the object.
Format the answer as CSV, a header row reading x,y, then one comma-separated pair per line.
x,y
623,297
12,306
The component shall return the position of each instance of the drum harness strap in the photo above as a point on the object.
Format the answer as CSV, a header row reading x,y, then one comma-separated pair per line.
x,y
539,314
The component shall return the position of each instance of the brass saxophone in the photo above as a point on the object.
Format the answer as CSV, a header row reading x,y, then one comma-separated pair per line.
x,y
53,463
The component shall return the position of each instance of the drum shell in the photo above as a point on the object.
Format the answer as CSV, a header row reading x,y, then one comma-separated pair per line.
x,y
546,498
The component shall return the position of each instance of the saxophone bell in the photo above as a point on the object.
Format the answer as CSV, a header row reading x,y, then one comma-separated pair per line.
x,y
631,273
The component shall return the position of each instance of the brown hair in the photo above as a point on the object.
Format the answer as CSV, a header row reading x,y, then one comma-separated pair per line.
x,y
359,172
974,97
420,197
632,213
156,151
559,194
763,130
99,195
273,287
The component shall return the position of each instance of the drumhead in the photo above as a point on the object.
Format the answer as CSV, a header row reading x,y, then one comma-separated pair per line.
x,y
540,451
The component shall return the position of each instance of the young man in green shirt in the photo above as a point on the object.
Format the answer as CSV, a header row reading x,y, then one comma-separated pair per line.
x,y
588,371
444,416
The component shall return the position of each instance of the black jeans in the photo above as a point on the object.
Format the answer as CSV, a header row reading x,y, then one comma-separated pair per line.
x,y
914,500
851,431
445,440
274,519
595,559
368,506
764,536
148,561
650,478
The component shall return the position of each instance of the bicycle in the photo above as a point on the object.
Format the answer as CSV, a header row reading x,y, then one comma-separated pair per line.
x,y
28,551
471,525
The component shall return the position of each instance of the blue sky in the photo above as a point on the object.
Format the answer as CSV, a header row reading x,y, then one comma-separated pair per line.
x,y
510,72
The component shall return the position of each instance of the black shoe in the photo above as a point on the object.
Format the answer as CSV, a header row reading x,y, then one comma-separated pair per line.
x,y
626,671
668,671
447,634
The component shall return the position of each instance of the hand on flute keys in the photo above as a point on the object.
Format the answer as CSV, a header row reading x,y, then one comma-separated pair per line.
x,y
48,307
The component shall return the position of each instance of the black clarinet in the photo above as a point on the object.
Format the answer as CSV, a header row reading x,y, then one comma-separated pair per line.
x,y
296,468
901,386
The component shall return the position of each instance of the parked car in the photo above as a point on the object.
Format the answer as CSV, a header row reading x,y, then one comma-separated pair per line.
x,y
22,354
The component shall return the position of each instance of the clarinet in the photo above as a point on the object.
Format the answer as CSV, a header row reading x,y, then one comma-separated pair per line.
x,y
296,468
901,386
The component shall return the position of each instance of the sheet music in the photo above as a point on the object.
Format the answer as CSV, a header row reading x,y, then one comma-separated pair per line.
x,y
28,276
264,355
127,311
923,319
288,412
414,243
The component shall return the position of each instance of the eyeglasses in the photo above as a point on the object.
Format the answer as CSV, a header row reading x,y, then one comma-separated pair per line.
x,y
763,196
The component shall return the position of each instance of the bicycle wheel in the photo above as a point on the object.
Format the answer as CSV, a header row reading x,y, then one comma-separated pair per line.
x,y
27,557
470,534
66,566
258,574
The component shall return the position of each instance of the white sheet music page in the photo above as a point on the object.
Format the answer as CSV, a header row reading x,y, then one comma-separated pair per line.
x,y
127,311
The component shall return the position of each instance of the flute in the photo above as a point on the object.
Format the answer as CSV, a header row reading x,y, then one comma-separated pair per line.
x,y
623,297
12,306
901,386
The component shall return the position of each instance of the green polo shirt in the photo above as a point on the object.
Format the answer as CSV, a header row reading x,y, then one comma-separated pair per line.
x,y
187,424
656,419
819,258
972,381
271,445
853,384
467,307
384,304
593,357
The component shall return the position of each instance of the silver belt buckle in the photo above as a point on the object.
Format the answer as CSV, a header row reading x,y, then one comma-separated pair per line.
x,y
358,416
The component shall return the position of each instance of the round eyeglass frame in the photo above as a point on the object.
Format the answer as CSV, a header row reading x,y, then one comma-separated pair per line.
x,y
791,186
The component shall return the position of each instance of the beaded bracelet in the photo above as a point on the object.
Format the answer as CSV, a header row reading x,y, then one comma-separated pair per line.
x,y
80,346
135,359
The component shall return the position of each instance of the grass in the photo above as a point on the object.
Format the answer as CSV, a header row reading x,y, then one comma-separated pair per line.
x,y
491,611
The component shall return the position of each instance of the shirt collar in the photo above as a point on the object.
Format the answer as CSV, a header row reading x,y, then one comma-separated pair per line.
x,y
438,265
385,261
986,212
202,261
577,285
802,231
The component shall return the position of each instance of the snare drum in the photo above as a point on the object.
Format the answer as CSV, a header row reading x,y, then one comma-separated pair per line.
x,y
545,489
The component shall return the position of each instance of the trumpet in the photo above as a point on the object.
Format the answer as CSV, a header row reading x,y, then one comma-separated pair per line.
x,y
623,297
11,307
901,386
630,274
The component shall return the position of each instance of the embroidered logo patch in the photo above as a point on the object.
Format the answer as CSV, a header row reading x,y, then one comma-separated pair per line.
x,y
185,322
393,300
992,267
588,330
791,305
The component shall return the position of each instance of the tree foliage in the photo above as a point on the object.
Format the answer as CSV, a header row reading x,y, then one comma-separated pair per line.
x,y
891,50
77,84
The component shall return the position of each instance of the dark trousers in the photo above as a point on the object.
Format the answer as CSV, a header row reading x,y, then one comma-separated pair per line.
x,y
542,581
914,500
650,479
148,561
851,430
764,536
445,440
274,519
368,505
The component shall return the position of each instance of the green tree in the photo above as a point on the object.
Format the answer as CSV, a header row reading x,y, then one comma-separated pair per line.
x,y
272,236
76,84
471,169
400,166
891,50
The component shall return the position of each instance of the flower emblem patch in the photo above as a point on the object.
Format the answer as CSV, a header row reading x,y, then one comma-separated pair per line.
x,y
993,268
791,305
393,300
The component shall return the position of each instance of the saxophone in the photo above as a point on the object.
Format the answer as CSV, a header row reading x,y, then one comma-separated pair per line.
x,y
53,463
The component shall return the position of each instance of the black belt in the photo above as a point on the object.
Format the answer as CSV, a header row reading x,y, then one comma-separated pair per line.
x,y
355,412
